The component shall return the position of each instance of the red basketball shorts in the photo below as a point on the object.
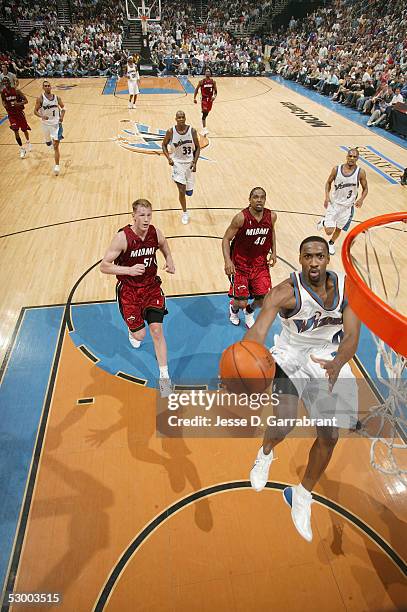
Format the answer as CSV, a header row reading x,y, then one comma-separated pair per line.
x,y
135,302
18,122
206,104
254,284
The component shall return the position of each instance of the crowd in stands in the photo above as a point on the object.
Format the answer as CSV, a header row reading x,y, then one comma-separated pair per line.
x,y
358,59
182,44
13,10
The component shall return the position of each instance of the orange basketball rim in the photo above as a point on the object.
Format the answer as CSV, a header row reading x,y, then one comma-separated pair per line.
x,y
382,319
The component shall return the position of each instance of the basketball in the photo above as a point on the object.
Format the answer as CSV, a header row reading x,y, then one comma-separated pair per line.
x,y
246,367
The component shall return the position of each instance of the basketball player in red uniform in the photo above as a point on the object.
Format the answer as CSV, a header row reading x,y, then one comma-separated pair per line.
x,y
249,249
209,92
14,101
132,258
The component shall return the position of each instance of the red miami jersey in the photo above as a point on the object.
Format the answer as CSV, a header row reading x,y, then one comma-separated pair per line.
x,y
9,97
207,88
253,242
139,252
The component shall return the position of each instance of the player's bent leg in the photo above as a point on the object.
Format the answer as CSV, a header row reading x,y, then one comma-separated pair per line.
x,y
299,497
249,311
56,156
20,143
284,414
235,305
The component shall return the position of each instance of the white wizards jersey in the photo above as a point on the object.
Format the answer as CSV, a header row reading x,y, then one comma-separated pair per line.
x,y
50,110
311,324
132,73
345,188
184,146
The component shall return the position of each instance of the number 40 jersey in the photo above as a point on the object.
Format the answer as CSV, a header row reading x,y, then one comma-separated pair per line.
x,y
184,146
253,242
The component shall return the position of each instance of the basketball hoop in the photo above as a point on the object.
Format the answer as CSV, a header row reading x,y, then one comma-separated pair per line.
x,y
144,22
373,281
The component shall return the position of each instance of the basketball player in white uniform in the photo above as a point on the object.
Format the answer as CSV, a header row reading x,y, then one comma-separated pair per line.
x,y
340,205
183,158
320,335
133,79
51,110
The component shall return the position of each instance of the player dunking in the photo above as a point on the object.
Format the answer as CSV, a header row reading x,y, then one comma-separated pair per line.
x,y
50,108
319,332
133,79
183,158
13,101
340,205
131,256
249,248
209,91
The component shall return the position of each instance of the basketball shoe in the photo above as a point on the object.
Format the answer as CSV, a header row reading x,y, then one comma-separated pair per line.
x,y
56,170
233,316
134,343
331,248
248,319
320,224
300,500
165,387
260,471
29,147
23,153
185,217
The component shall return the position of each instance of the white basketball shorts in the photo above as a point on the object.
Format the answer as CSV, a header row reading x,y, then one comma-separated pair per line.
x,y
338,216
311,383
133,88
50,131
181,173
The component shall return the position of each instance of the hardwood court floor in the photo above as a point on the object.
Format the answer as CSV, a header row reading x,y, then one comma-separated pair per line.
x,y
96,491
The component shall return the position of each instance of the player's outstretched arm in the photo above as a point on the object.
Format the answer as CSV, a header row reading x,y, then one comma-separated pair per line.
x,y
117,246
62,107
230,233
347,347
281,297
166,142
363,182
197,88
272,259
165,250
328,184
23,100
37,108
197,151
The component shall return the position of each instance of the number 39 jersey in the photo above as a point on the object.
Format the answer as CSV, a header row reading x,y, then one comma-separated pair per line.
x,y
184,146
253,241
345,188
139,252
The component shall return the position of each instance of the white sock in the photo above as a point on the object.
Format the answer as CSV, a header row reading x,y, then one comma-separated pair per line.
x,y
164,372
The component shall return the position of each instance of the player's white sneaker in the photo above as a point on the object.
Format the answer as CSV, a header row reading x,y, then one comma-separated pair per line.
x,y
260,471
320,224
185,217
130,105
233,316
204,132
248,319
29,147
56,170
300,500
165,387
23,153
331,248
134,343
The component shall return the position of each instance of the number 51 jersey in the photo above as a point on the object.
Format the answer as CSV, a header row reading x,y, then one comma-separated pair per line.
x,y
139,252
253,242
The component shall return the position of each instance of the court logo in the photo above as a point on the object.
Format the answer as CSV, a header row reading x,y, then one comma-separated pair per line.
x,y
141,138
386,167
304,115
65,87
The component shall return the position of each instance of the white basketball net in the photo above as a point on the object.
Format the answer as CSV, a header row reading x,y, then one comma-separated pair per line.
x,y
379,255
